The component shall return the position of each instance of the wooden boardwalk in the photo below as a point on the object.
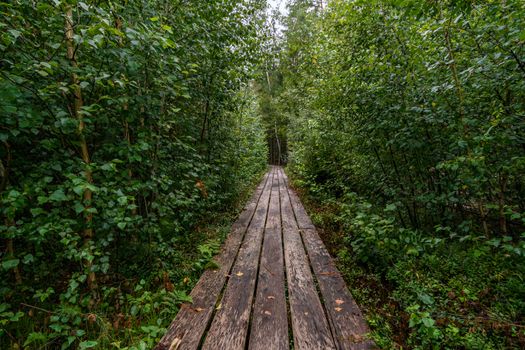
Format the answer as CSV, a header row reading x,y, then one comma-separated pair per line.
x,y
276,286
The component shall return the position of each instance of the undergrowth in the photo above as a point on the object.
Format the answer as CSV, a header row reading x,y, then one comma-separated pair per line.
x,y
134,308
442,289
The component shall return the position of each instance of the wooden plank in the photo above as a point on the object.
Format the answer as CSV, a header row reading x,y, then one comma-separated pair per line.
x,y
274,211
229,327
188,327
287,214
303,220
348,325
259,218
249,208
269,327
309,324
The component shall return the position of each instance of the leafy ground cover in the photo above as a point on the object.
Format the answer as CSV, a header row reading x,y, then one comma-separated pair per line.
x,y
419,291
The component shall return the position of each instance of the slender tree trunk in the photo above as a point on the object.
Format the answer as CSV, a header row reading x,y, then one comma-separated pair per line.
x,y
501,203
11,254
76,109
483,214
454,71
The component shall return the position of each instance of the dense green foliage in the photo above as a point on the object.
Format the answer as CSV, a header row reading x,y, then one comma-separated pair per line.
x,y
406,126
127,128
123,126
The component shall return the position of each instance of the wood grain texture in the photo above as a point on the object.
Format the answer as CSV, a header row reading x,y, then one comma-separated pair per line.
x,y
309,324
269,328
259,217
188,327
273,219
288,216
303,220
349,328
229,327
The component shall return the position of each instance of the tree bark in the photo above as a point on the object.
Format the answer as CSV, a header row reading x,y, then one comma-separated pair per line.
x,y
84,150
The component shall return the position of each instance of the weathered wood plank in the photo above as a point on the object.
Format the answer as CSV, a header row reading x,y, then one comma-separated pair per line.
x,y
229,327
230,324
348,326
269,328
249,208
309,324
188,327
303,220
274,211
287,214
259,218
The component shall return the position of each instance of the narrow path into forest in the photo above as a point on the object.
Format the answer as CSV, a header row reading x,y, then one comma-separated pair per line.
x,y
276,286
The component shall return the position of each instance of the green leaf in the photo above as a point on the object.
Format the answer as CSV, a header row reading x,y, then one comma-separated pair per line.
x,y
35,337
79,208
10,264
88,344
15,33
58,196
428,322
28,258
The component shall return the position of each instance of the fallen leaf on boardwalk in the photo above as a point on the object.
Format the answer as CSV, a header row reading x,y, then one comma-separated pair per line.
x,y
357,338
239,274
338,309
267,312
328,273
175,344
271,297
218,306
306,313
339,301
198,309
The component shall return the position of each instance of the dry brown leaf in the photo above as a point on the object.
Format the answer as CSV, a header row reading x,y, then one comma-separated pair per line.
x,y
338,309
271,297
328,273
239,274
219,306
339,301
91,318
266,312
198,309
175,344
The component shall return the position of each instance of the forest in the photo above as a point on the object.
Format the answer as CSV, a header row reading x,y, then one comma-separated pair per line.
x,y
132,133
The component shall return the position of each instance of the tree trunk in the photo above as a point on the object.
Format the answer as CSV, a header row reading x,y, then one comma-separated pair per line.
x,y
84,150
